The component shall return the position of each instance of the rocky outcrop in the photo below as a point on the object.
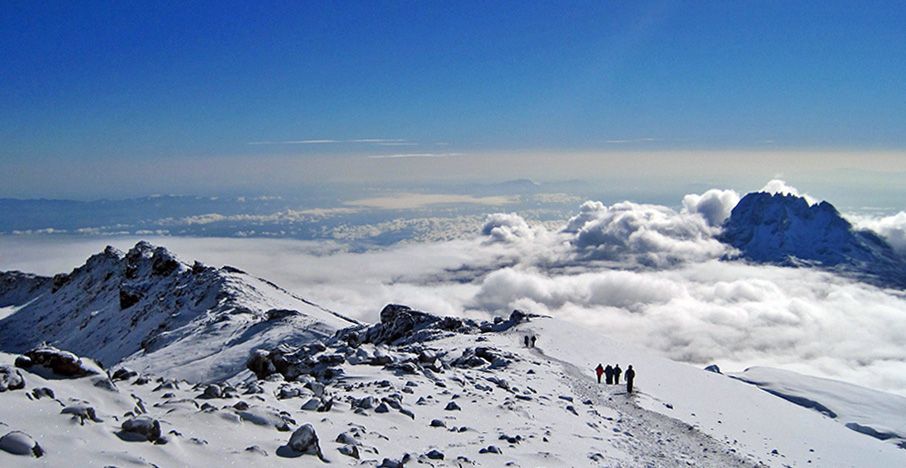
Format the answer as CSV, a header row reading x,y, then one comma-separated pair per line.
x,y
61,363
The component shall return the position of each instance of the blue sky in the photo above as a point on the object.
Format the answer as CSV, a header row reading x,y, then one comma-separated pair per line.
x,y
85,83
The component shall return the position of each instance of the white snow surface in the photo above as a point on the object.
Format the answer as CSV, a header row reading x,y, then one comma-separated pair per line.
x,y
711,420
876,413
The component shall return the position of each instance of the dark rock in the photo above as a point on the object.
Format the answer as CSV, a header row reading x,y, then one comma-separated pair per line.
x,y
20,443
124,373
141,428
82,412
435,455
10,379
43,392
61,363
349,450
305,440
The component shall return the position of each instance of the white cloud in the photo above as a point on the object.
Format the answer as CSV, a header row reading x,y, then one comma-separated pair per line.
x,y
649,235
780,186
714,205
507,228
891,228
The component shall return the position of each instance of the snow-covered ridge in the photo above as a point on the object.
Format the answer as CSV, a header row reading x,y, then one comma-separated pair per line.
x,y
877,414
147,308
786,229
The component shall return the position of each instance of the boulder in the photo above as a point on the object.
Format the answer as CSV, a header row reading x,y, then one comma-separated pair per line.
x,y
141,428
305,440
20,443
10,379
61,363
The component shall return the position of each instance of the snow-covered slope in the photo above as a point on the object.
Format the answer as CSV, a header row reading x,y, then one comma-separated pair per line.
x,y
878,414
146,308
787,230
439,392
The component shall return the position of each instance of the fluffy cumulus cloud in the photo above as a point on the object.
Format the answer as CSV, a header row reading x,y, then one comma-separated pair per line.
x,y
891,228
649,235
507,228
714,205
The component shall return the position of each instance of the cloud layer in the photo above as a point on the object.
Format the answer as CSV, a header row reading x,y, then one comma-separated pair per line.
x,y
639,273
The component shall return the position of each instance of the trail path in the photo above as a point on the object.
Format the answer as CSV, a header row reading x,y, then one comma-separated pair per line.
x,y
652,439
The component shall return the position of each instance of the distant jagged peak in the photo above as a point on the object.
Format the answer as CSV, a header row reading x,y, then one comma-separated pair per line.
x,y
784,228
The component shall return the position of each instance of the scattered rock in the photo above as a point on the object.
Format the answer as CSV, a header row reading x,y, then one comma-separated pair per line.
x,y
305,441
20,443
61,363
452,406
43,392
437,423
490,449
435,455
256,450
349,450
124,373
142,428
82,412
212,391
713,368
10,379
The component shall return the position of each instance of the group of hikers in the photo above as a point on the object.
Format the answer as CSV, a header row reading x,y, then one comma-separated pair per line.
x,y
612,375
530,341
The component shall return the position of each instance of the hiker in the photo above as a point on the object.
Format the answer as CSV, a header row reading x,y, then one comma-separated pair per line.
x,y
533,340
630,375
599,370
526,341
616,374
608,374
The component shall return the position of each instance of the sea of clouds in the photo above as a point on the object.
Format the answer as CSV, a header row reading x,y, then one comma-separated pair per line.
x,y
640,273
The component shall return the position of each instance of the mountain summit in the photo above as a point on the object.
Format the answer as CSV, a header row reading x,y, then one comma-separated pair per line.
x,y
786,230
146,308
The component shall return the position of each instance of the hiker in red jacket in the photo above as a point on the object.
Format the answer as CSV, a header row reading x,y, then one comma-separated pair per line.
x,y
600,371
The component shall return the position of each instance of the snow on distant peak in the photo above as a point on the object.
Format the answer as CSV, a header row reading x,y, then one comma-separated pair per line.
x,y
147,307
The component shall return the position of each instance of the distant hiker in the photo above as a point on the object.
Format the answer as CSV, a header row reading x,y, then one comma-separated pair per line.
x,y
630,376
599,370
616,374
533,340
526,341
608,374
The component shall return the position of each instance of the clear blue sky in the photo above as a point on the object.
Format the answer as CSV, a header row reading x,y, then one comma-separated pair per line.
x,y
89,82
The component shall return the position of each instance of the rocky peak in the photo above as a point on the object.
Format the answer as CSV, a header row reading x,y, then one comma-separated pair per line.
x,y
785,229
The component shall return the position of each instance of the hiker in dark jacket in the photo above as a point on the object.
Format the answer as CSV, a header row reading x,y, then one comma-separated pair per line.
x,y
608,374
630,376
526,340
533,340
599,370
616,374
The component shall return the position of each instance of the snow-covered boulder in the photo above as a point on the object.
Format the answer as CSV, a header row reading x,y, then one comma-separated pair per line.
x,y
142,428
59,362
20,443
